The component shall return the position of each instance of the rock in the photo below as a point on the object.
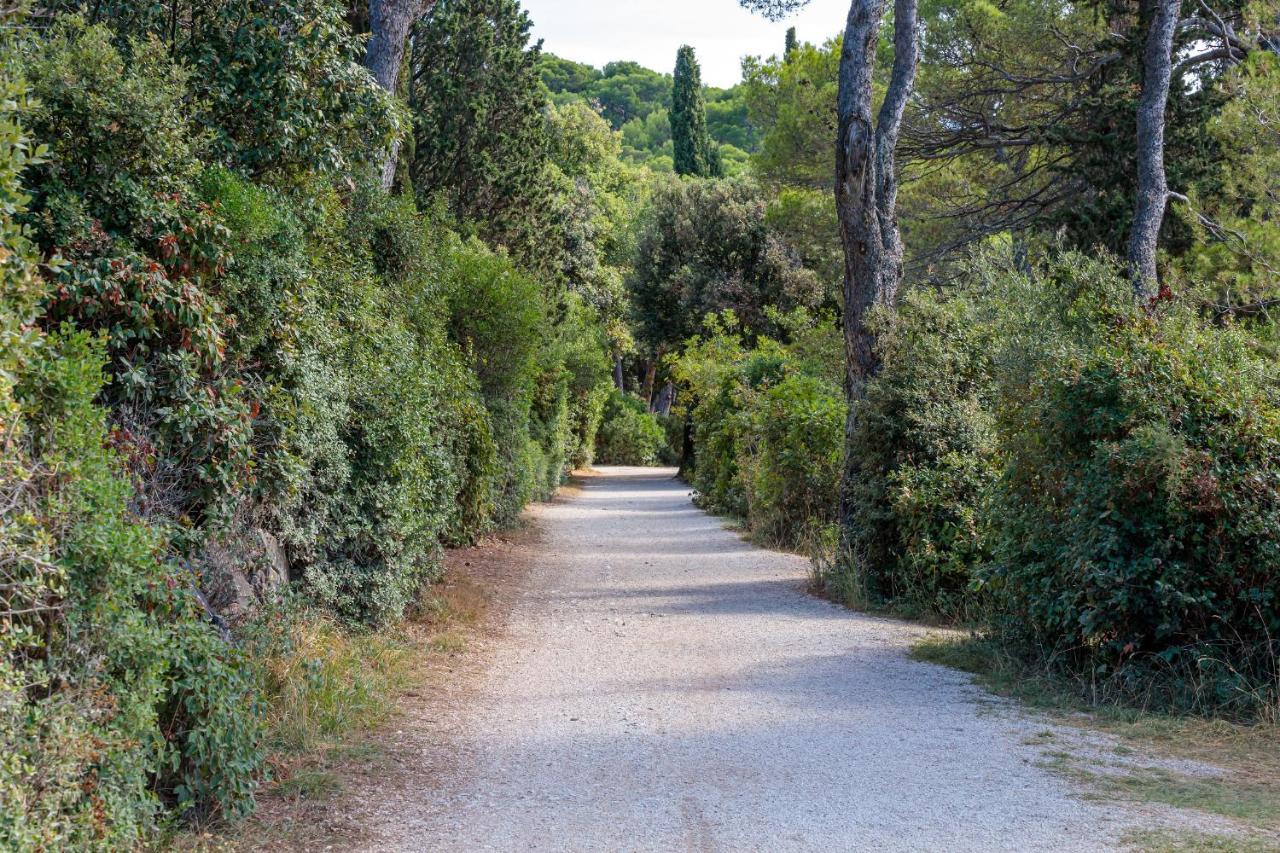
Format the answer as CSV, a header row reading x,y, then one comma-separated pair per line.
x,y
275,572
243,571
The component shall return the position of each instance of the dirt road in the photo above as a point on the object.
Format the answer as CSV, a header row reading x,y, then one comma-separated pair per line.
x,y
663,685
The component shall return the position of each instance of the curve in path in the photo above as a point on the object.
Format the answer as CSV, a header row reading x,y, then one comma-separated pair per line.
x,y
663,685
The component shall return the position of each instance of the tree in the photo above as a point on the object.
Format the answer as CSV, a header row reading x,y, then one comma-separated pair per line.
x,y
793,103
1026,118
705,247
1153,185
792,44
866,187
1238,258
279,85
694,154
390,22
480,131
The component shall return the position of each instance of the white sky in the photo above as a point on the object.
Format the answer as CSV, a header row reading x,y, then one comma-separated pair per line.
x,y
651,31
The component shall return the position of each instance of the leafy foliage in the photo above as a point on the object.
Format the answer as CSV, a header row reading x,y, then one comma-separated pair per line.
x,y
705,247
480,138
117,696
793,100
637,102
292,357
629,433
926,461
1135,514
768,425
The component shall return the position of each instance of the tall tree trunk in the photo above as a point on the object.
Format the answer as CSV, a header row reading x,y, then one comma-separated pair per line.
x,y
389,23
618,380
1153,188
867,195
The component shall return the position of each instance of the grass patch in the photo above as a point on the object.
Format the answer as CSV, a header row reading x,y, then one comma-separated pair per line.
x,y
448,643
1248,755
309,784
322,682
1165,841
1255,804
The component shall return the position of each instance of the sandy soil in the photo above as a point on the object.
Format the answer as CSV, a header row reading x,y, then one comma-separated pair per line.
x,y
656,683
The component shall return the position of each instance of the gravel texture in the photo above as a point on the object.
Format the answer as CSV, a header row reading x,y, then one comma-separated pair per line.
x,y
663,685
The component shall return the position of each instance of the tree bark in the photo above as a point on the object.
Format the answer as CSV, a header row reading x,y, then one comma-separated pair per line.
x,y
618,380
389,23
650,378
867,193
666,399
1153,187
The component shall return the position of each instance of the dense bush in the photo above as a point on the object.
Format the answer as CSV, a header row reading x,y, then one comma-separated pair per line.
x,y
116,697
925,461
629,433
237,337
767,425
792,461
116,201
1137,515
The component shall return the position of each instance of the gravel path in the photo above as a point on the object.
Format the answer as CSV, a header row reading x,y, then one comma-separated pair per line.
x,y
663,685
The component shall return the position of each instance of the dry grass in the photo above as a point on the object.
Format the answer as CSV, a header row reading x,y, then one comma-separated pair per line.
x,y
336,696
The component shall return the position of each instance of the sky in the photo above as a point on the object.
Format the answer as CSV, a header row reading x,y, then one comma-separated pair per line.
x,y
651,31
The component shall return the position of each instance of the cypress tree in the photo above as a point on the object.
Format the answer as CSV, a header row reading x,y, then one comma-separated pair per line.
x,y
792,44
693,150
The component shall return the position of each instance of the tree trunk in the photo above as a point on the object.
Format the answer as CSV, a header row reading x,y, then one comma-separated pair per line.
x,y
1153,188
389,23
687,450
650,377
867,193
618,380
666,399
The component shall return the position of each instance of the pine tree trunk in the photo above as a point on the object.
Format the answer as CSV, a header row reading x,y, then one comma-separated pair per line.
x,y
618,380
390,22
1153,188
866,195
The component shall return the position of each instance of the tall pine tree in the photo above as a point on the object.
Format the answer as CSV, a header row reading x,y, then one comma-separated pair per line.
x,y
480,130
694,154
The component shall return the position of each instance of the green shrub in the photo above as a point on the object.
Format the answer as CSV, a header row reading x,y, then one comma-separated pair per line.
x,y
793,461
398,452
1137,516
766,424
924,464
583,348
629,433
587,413
116,201
719,432
278,85
497,315
160,694
673,426
115,695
